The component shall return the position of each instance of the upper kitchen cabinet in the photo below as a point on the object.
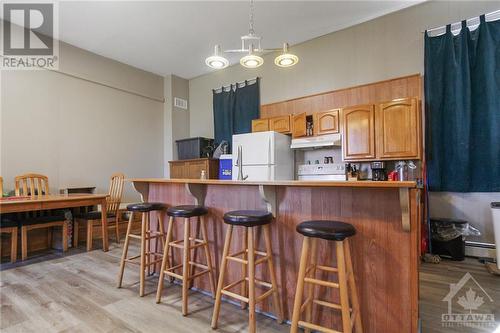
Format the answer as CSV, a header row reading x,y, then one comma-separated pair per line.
x,y
280,124
260,125
299,125
358,139
326,122
397,130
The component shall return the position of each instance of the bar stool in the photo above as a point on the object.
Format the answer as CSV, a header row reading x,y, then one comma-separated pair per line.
x,y
146,236
338,232
248,219
187,244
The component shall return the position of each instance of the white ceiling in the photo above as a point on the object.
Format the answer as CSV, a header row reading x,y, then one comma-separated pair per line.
x,y
175,37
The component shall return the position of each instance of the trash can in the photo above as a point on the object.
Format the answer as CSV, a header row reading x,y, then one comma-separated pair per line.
x,y
495,214
447,237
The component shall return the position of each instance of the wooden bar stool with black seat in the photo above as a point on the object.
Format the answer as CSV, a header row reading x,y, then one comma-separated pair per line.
x,y
186,244
248,219
339,233
147,257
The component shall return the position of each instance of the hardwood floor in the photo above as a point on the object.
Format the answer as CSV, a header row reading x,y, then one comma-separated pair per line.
x,y
435,280
78,293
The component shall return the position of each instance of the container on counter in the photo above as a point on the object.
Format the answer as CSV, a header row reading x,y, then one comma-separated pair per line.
x,y
225,166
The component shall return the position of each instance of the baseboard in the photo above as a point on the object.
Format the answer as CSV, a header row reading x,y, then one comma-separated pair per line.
x,y
480,250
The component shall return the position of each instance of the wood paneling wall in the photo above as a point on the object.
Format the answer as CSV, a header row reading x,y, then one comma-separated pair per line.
x,y
383,91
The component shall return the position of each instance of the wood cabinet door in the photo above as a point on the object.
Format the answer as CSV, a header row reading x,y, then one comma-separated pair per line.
x,y
177,170
359,132
280,124
299,125
260,125
195,168
398,129
326,122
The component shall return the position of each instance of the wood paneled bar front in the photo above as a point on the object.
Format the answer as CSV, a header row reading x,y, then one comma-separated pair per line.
x,y
385,249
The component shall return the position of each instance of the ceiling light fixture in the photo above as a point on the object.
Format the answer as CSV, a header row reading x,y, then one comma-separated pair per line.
x,y
286,59
216,61
252,59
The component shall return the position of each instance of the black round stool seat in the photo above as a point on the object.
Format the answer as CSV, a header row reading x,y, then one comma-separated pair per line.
x,y
187,211
248,218
329,230
146,207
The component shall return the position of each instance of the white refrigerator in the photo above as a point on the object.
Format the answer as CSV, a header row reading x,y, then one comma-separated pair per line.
x,y
262,156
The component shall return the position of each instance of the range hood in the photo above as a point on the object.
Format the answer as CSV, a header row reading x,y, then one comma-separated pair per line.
x,y
321,141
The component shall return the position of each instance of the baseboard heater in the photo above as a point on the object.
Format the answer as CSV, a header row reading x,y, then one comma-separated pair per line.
x,y
480,250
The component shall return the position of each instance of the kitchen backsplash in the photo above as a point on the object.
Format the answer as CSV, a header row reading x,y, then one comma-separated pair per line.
x,y
313,155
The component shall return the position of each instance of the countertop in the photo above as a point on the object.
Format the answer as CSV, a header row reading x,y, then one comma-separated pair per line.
x,y
298,183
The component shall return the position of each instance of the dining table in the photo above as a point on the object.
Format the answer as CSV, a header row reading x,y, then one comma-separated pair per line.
x,y
17,204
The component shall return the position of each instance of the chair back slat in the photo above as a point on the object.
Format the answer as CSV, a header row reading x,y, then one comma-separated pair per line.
x,y
115,192
31,184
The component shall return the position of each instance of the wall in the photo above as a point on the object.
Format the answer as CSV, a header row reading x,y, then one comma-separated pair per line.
x,y
387,47
174,87
71,127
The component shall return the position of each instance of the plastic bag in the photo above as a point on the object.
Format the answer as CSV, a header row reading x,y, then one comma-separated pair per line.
x,y
446,230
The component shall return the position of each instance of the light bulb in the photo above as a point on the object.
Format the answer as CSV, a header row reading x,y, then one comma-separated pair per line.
x,y
251,61
286,59
216,61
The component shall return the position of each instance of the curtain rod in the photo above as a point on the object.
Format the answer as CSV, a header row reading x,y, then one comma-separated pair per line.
x,y
492,16
237,83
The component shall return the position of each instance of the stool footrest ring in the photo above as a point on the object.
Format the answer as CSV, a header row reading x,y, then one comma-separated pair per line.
x,y
321,282
317,327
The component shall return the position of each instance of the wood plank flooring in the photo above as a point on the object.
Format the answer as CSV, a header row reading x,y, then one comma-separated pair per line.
x,y
76,292
435,280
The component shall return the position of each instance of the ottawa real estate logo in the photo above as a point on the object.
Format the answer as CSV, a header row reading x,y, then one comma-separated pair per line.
x,y
29,36
467,305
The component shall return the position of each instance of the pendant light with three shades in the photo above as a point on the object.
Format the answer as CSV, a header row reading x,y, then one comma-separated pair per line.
x,y
252,59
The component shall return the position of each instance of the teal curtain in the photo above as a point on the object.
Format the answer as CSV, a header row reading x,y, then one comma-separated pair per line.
x,y
223,103
235,109
462,94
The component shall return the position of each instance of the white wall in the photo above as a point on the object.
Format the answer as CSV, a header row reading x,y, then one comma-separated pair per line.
x,y
387,47
79,132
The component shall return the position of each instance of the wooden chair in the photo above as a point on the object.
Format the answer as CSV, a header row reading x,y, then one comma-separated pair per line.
x,y
32,184
9,226
112,207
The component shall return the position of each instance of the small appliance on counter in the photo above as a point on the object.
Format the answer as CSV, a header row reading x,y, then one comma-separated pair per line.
x,y
191,148
262,156
322,172
378,171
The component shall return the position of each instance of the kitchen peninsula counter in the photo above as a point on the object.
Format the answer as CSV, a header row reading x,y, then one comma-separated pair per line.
x,y
300,183
385,249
